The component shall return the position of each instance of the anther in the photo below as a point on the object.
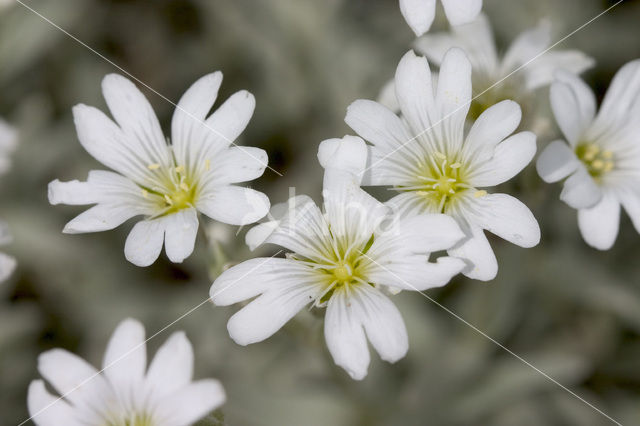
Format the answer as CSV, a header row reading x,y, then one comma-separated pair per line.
x,y
168,200
479,194
153,166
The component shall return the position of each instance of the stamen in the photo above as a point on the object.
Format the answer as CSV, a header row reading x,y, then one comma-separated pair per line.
x,y
153,166
145,193
179,169
480,194
597,164
184,186
440,155
207,164
168,200
607,155
455,165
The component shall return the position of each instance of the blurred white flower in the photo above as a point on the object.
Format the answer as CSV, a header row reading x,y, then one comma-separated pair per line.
x,y
342,259
168,184
7,263
420,14
426,157
602,157
476,39
8,142
126,393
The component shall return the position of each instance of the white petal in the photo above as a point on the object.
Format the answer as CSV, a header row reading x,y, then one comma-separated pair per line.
x,y
144,243
419,14
631,202
415,272
350,211
274,308
508,218
476,250
303,230
74,378
527,46
377,124
107,143
238,164
233,204
125,359
599,224
191,403
222,127
453,96
48,410
348,154
541,72
102,217
573,105
492,127
136,118
257,235
172,366
623,95
435,46
180,234
580,191
191,111
255,276
556,162
71,193
415,94
382,323
423,233
101,187
462,11
345,336
7,266
510,157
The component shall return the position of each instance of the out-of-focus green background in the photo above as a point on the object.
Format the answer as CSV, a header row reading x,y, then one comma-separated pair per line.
x,y
570,310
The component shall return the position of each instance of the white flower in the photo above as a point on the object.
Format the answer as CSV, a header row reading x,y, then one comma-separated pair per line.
x,y
168,184
602,157
342,259
420,14
426,157
8,142
476,39
126,393
7,263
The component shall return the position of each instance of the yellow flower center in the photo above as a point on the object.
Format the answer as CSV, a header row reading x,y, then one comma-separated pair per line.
x,y
174,190
597,161
343,273
441,180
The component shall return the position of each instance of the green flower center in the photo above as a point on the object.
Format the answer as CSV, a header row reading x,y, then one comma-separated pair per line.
x,y
174,191
340,267
597,161
441,181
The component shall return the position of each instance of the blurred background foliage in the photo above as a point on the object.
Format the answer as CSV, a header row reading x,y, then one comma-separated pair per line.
x,y
570,310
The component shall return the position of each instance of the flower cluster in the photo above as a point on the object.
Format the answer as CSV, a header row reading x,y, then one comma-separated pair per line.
x,y
441,143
